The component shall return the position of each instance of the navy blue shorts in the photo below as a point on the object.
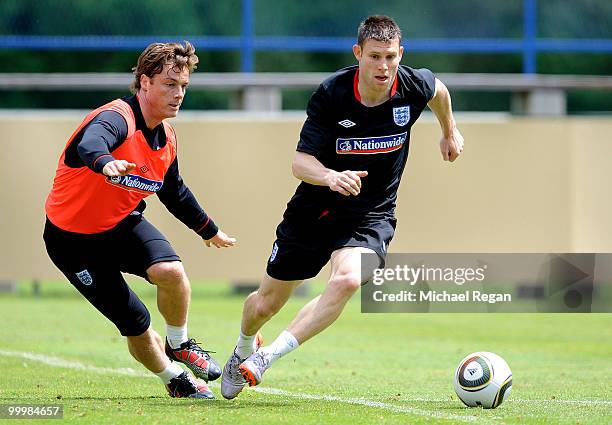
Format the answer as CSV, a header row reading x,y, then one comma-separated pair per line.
x,y
304,243
93,264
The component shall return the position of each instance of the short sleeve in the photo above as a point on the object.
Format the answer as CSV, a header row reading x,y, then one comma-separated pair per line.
x,y
425,82
316,131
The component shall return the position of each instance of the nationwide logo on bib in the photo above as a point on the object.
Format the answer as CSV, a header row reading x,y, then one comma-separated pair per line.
x,y
135,183
370,145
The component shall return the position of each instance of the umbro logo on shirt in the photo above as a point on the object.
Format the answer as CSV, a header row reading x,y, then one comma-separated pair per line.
x,y
346,123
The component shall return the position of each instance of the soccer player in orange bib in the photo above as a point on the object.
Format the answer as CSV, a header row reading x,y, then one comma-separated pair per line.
x,y
95,230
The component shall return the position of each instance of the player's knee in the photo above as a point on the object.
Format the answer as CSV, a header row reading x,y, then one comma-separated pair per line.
x,y
346,283
167,273
143,340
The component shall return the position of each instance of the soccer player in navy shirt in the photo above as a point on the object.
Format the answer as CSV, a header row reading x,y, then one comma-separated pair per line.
x,y
350,157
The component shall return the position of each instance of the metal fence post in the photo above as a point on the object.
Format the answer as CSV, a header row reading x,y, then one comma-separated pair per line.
x,y
530,29
247,44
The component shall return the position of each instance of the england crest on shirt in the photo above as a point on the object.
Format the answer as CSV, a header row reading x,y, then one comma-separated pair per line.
x,y
401,115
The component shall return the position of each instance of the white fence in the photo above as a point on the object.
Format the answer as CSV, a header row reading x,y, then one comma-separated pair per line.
x,y
532,94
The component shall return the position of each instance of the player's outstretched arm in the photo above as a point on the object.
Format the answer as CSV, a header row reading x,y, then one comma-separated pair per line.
x,y
220,240
310,170
451,143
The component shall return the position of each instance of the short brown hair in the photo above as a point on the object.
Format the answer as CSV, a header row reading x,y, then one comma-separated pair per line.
x,y
152,60
380,28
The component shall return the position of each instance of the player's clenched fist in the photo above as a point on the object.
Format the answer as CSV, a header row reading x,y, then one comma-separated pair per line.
x,y
451,146
118,167
346,182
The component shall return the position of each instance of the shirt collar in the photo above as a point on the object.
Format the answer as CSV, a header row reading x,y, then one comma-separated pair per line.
x,y
356,86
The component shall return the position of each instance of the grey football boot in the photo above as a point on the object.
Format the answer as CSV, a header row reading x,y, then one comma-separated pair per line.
x,y
253,368
232,381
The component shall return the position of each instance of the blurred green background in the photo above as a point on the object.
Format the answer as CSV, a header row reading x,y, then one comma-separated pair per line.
x,y
493,21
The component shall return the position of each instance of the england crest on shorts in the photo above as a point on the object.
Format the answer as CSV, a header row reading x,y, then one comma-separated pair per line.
x,y
401,115
274,252
85,277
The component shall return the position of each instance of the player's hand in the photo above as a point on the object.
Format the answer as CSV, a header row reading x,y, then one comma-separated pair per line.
x,y
118,167
451,147
220,240
346,182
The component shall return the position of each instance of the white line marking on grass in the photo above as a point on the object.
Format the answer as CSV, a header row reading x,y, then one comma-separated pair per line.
x,y
57,362
375,404
556,400
518,400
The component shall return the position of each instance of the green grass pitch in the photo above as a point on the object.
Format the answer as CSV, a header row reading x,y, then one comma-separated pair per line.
x,y
365,369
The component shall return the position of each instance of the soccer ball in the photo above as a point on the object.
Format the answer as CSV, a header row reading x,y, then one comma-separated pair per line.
x,y
483,379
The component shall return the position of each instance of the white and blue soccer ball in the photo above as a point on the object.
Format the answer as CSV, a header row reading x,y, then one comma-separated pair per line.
x,y
483,379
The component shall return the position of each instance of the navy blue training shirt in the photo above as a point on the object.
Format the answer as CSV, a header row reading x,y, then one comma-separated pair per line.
x,y
343,134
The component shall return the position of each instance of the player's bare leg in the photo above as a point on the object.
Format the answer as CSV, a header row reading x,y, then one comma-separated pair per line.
x,y
315,316
173,291
344,281
147,349
173,296
259,307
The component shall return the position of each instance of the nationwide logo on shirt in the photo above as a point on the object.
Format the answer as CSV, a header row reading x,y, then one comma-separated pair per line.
x,y
370,145
135,183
